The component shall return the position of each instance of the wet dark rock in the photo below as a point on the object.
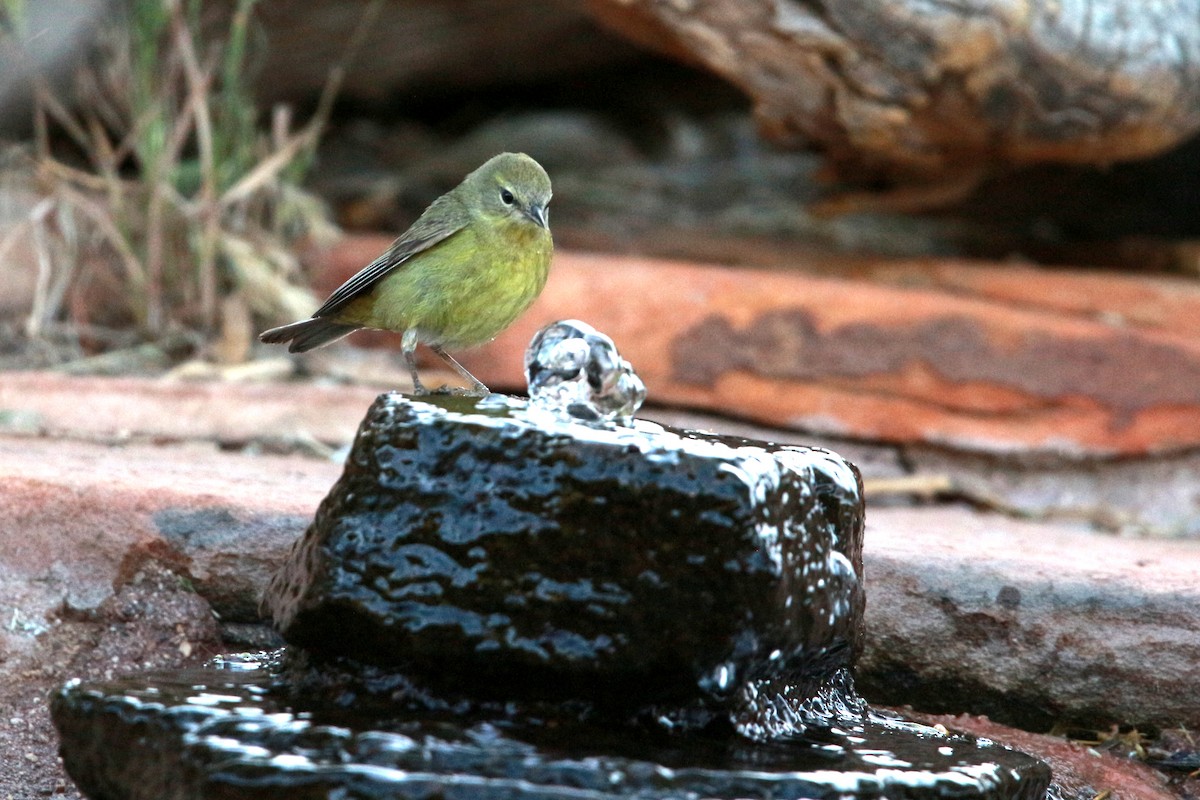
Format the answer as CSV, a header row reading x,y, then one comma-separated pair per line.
x,y
495,601
224,732
486,547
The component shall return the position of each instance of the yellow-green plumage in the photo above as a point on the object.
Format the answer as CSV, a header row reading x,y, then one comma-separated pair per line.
x,y
465,270
449,297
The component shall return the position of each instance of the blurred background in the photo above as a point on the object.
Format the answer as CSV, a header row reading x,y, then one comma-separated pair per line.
x,y
959,244
170,138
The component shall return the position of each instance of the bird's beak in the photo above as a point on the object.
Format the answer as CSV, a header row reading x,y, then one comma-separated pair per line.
x,y
540,215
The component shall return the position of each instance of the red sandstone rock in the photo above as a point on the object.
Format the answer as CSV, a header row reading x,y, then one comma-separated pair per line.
x,y
120,408
1029,623
78,520
1080,773
1156,495
986,359
1121,300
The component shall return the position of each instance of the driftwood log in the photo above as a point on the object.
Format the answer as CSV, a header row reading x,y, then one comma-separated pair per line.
x,y
935,88
905,88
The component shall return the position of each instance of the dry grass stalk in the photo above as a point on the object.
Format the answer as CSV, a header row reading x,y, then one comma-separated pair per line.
x,y
184,203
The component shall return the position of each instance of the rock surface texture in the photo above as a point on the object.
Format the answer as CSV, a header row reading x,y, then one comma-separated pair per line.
x,y
1030,625
496,547
999,361
946,86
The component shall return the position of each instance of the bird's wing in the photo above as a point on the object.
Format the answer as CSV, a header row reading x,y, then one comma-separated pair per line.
x,y
444,218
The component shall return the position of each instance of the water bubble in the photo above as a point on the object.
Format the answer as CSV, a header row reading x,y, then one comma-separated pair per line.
x,y
575,371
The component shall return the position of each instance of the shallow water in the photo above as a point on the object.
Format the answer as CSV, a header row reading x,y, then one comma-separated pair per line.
x,y
230,731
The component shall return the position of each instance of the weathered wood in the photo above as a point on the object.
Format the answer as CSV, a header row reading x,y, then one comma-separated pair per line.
x,y
417,48
916,87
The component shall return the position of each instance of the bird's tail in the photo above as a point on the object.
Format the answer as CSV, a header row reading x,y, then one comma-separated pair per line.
x,y
307,334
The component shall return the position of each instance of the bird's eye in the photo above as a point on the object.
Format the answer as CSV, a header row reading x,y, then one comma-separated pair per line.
x,y
506,196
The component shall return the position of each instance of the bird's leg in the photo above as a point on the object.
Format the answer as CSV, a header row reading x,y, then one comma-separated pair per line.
x,y
409,345
477,387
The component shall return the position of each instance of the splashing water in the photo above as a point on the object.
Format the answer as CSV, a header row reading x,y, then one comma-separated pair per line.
x,y
575,371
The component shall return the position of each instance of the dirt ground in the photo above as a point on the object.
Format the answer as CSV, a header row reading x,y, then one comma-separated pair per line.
x,y
154,622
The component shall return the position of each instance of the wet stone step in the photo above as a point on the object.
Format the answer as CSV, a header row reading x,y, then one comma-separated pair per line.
x,y
234,731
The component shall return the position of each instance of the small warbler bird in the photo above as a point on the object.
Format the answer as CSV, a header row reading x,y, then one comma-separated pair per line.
x,y
465,270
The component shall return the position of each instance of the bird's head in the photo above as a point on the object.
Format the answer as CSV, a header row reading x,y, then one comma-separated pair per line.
x,y
512,187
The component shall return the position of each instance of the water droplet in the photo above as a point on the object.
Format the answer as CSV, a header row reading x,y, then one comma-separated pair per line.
x,y
575,371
